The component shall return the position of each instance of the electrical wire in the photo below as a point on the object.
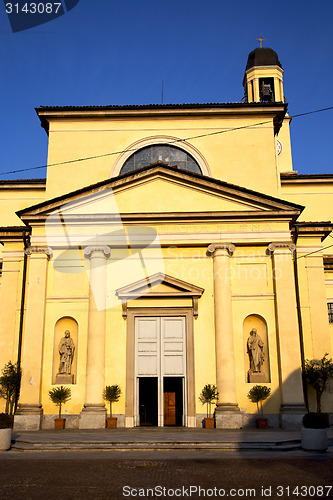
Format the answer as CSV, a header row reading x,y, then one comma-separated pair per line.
x,y
315,251
169,142
134,149
176,141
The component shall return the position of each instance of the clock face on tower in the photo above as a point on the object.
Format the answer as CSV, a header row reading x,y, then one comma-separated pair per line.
x,y
279,147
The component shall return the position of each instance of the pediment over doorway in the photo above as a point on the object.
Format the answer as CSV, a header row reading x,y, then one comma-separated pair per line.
x,y
160,286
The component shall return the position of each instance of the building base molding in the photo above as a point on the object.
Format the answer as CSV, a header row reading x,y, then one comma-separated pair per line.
x,y
28,418
92,417
228,421
227,408
191,421
228,416
291,416
129,422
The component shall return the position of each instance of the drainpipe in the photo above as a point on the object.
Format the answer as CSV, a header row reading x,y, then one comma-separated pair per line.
x,y
299,317
25,236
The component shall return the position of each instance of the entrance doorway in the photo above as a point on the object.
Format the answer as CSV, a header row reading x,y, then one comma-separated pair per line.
x,y
148,397
160,370
173,401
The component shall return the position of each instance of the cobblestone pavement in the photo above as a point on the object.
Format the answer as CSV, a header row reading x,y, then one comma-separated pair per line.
x,y
100,476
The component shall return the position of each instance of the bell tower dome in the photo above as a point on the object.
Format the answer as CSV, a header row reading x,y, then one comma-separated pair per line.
x,y
263,78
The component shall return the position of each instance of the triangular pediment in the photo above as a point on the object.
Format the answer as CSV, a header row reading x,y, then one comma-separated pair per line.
x,y
160,190
159,285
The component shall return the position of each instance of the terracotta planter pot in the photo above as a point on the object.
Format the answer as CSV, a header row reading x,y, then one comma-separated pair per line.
x,y
209,423
111,423
59,423
262,423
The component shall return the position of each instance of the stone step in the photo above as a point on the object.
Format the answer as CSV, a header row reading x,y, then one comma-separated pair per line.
x,y
157,446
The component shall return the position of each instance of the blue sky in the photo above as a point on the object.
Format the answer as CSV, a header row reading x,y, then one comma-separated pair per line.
x,y
112,52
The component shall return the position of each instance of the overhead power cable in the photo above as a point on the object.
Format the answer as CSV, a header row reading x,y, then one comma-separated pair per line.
x,y
315,251
168,142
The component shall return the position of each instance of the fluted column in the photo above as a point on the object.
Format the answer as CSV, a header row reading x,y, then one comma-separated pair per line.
x,y
94,411
292,400
227,412
29,413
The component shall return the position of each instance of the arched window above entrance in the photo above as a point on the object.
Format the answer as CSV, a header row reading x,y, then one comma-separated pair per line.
x,y
164,153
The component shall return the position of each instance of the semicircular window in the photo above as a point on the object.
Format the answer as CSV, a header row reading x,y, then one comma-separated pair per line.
x,y
161,153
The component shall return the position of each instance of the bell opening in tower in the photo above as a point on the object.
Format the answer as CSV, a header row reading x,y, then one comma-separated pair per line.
x,y
266,89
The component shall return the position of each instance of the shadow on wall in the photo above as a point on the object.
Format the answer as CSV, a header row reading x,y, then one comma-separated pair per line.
x,y
249,419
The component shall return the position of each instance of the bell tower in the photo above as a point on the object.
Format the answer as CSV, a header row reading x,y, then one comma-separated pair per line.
x,y
263,78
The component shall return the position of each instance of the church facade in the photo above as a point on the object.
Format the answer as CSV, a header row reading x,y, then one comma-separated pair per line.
x,y
169,247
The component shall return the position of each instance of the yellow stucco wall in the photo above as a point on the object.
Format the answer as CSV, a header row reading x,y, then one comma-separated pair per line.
x,y
13,199
246,157
240,156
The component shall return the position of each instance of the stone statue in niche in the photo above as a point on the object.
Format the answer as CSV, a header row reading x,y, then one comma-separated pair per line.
x,y
66,351
255,350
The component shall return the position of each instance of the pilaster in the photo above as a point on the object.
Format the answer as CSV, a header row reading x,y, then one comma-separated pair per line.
x,y
29,413
227,413
10,295
291,387
314,301
94,411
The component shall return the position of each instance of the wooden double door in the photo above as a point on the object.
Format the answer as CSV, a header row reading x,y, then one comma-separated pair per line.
x,y
169,404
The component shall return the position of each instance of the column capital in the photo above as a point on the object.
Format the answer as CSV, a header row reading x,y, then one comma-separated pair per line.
x,y
213,247
88,251
38,250
278,245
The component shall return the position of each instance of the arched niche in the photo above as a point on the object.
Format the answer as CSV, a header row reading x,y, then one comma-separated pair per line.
x,y
63,324
258,322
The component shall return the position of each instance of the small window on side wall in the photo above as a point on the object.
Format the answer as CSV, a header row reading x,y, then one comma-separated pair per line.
x,y
330,311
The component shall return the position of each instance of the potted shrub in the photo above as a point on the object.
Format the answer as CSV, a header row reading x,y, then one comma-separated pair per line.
x,y
59,396
317,374
208,395
9,391
111,394
6,423
258,394
10,386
